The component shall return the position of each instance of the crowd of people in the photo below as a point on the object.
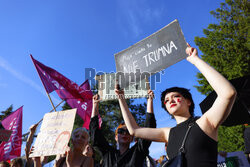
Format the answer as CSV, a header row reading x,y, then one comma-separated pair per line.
x,y
200,146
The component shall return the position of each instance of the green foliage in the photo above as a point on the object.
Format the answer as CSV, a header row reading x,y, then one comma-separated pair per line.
x,y
231,138
7,112
225,46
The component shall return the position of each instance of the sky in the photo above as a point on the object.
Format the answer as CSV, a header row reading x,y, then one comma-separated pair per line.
x,y
70,36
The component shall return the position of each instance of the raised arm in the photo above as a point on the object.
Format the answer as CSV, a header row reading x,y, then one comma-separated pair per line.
x,y
96,135
150,121
225,91
150,108
153,134
29,142
95,108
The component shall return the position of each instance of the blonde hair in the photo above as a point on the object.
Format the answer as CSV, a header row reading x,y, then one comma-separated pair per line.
x,y
81,129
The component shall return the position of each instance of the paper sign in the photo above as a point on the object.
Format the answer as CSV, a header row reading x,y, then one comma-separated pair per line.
x,y
5,135
106,87
55,133
154,53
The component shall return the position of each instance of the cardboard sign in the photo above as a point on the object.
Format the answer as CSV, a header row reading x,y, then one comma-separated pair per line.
x,y
55,133
154,53
5,135
106,87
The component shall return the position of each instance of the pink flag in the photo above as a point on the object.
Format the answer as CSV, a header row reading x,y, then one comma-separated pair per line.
x,y
79,97
84,109
12,148
53,80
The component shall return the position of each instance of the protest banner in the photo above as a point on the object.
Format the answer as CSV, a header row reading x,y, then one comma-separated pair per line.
x,y
12,148
154,53
5,134
54,134
106,87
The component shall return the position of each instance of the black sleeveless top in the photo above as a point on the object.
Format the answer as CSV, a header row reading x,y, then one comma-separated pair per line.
x,y
200,149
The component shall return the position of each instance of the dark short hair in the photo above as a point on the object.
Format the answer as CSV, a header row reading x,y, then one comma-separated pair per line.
x,y
184,92
17,161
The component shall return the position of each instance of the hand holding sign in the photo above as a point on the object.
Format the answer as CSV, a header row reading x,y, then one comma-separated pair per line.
x,y
69,156
119,92
96,99
192,54
55,133
33,127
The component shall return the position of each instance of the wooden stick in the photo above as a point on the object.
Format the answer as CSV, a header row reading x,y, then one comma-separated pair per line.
x,y
51,110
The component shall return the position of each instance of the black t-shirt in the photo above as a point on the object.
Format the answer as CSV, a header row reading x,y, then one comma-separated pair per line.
x,y
133,157
200,149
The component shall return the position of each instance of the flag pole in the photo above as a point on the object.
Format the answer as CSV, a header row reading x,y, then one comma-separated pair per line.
x,y
43,83
51,111
54,108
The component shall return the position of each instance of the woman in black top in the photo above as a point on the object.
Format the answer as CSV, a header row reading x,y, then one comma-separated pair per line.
x,y
124,156
201,143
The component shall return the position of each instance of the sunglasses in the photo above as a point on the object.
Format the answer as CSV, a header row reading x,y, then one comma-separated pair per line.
x,y
123,131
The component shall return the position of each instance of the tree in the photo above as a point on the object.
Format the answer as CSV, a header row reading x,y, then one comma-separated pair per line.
x,y
7,112
226,48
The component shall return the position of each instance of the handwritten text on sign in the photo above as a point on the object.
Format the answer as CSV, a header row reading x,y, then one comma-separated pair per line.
x,y
55,133
154,53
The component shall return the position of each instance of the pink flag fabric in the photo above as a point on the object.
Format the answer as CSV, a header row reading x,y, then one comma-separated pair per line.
x,y
79,97
12,148
84,108
53,80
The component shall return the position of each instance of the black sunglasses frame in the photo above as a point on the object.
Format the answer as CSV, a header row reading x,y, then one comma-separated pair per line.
x,y
123,131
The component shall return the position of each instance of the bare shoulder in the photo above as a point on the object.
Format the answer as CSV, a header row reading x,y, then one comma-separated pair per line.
x,y
206,126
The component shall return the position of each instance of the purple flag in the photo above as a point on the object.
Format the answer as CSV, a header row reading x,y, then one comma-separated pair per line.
x,y
53,80
84,108
12,148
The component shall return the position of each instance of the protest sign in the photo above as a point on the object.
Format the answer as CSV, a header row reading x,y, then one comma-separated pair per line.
x,y
154,53
12,148
106,87
54,133
5,134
